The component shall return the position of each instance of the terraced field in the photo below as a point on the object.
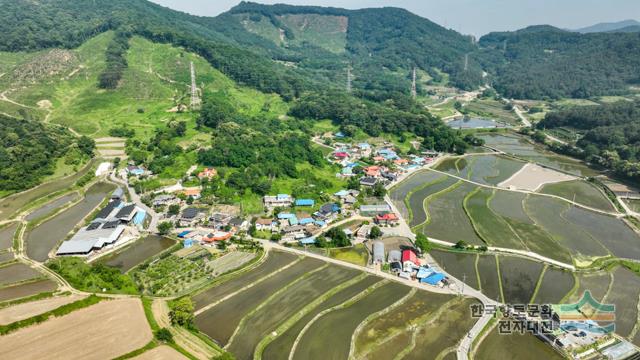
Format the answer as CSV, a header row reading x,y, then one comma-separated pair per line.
x,y
580,191
514,346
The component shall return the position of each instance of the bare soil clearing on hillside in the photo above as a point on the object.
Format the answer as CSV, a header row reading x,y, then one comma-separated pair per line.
x,y
532,176
103,331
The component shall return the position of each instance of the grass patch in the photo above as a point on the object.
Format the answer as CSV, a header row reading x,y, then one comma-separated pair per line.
x,y
93,278
357,254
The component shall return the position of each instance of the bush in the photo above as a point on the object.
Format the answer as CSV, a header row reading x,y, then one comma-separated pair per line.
x,y
164,335
181,313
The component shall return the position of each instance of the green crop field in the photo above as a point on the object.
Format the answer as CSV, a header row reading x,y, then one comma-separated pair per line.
x,y
447,219
491,228
581,192
280,347
280,306
492,109
330,335
416,308
510,204
417,199
358,254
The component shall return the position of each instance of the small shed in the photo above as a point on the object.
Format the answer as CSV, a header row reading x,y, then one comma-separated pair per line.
x,y
378,252
184,234
433,279
395,256
187,243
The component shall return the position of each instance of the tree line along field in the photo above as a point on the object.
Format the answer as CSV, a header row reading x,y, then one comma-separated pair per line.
x,y
460,200
288,306
516,280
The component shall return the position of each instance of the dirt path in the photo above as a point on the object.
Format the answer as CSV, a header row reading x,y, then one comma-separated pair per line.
x,y
188,341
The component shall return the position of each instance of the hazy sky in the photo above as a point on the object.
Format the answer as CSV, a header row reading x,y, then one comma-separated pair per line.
x,y
467,16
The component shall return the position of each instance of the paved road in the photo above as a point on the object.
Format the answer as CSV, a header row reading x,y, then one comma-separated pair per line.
x,y
153,224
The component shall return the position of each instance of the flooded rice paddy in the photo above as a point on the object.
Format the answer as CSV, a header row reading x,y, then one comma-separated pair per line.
x,y
28,289
138,252
44,237
16,272
52,206
6,235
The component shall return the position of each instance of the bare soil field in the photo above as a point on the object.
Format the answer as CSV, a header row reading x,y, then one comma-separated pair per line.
x,y
103,331
160,353
532,176
27,310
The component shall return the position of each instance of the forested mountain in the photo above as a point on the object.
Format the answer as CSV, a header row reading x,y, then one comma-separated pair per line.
x,y
28,151
610,134
545,62
610,27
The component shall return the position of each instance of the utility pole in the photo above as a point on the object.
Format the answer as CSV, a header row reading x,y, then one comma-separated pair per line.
x,y
349,78
414,93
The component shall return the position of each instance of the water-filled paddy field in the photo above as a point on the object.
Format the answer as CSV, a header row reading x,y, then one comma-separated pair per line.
x,y
581,192
6,235
52,206
44,237
514,346
11,204
16,272
26,289
138,252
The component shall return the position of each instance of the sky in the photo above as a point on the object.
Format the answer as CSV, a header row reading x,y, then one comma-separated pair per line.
x,y
476,17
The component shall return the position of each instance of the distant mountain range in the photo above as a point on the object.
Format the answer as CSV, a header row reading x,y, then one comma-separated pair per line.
x,y
619,26
291,50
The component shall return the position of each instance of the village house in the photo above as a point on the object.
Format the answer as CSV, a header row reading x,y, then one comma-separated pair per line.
x,y
134,170
193,192
216,236
388,219
207,173
368,181
372,171
280,200
266,225
220,220
305,202
164,200
410,260
363,233
190,216
295,232
328,212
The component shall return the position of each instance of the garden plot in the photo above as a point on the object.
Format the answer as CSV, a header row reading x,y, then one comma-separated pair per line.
x,y
280,347
460,265
519,278
357,254
400,193
26,290
597,283
613,233
33,308
106,330
44,237
6,235
624,294
532,176
17,272
274,261
277,309
447,219
442,332
514,346
581,192
491,228
489,281
329,337
220,321
493,169
555,285
417,199
415,310
547,212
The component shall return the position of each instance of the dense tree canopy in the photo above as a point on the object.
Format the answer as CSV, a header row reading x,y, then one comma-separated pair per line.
x,y
28,151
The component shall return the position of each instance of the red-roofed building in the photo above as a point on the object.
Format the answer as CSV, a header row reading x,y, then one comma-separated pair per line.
x,y
401,162
372,171
386,219
341,155
208,173
409,260
193,192
378,159
217,236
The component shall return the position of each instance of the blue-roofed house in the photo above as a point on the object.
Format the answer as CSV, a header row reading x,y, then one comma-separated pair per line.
x,y
364,146
342,193
320,223
327,212
138,219
339,135
433,279
346,171
187,243
307,241
305,202
286,215
424,272
184,233
305,221
293,221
